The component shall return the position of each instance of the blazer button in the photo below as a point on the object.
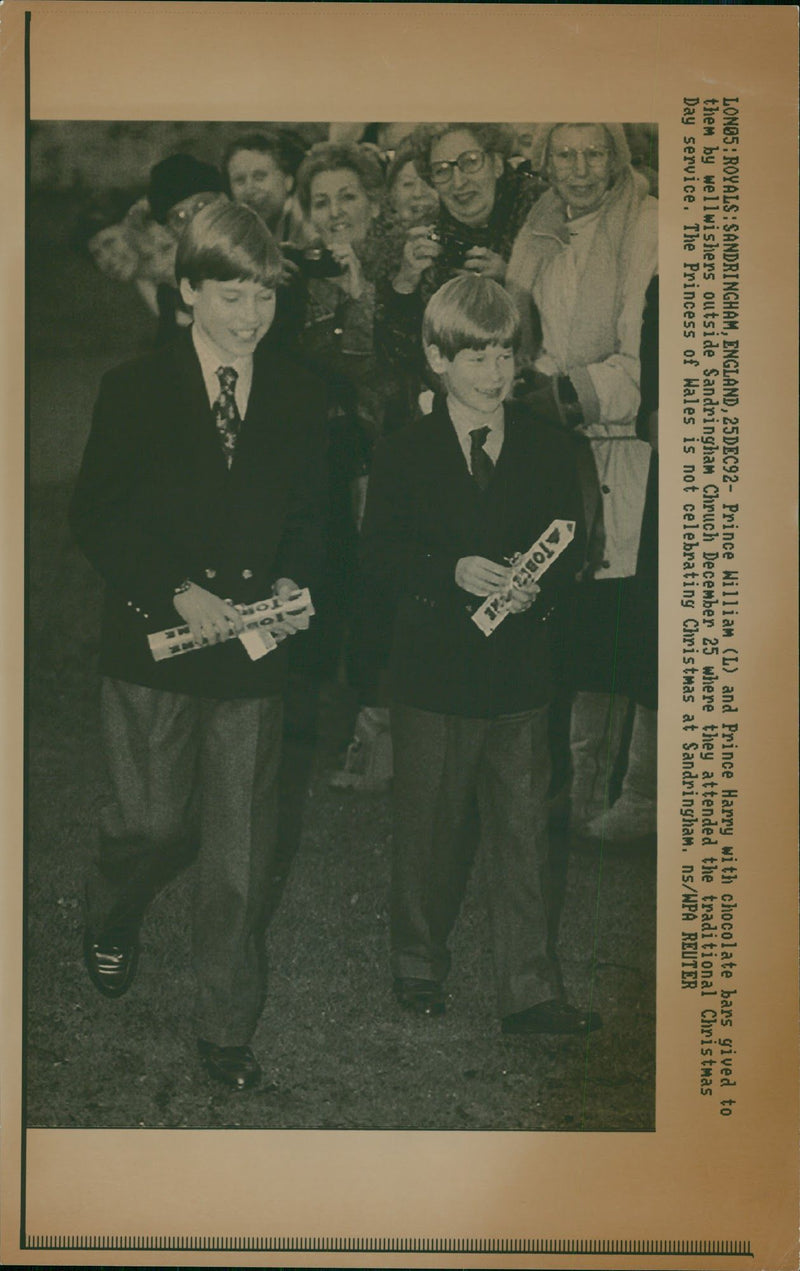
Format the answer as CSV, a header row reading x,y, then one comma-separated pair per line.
x,y
605,564
247,573
606,489
210,573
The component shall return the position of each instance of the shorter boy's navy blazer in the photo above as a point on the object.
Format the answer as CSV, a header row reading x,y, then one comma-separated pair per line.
x,y
424,512
155,503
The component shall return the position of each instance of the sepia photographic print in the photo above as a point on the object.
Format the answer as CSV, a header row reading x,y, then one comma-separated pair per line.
x,y
404,679
338,1050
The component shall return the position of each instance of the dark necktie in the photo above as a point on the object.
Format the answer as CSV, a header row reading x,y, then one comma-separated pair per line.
x,y
480,465
226,412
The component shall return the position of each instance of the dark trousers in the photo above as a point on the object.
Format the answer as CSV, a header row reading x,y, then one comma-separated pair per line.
x,y
614,640
443,765
193,778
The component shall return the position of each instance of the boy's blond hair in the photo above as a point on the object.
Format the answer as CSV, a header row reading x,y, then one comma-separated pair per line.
x,y
470,312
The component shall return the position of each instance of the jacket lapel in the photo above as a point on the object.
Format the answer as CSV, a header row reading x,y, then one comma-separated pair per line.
x,y
447,458
263,420
514,491
262,388
509,454
268,439
191,406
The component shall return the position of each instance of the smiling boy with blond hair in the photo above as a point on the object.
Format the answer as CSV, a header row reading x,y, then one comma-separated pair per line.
x,y
452,498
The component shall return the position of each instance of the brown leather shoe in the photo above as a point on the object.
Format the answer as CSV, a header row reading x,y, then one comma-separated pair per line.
x,y
555,1016
423,997
236,1066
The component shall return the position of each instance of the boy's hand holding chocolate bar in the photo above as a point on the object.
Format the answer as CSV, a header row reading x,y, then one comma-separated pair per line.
x,y
481,577
209,618
259,626
521,589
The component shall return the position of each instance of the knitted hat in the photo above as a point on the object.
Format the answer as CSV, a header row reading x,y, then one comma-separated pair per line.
x,y
179,177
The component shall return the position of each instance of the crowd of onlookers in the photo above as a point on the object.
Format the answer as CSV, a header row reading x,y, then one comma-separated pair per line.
x,y
371,223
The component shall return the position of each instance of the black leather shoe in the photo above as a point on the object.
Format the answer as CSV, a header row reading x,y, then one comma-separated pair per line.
x,y
423,997
236,1066
555,1016
111,960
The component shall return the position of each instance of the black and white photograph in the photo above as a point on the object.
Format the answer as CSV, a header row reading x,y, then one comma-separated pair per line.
x,y
399,631
342,587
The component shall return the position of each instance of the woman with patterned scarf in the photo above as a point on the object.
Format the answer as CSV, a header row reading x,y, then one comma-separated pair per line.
x,y
582,272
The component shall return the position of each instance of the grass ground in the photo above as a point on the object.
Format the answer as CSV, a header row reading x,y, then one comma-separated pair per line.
x,y
336,1051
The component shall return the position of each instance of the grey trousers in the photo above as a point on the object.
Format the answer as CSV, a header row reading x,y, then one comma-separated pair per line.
x,y
444,764
193,778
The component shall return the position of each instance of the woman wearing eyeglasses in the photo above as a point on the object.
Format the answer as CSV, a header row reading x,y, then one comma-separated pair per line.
x,y
482,205
581,272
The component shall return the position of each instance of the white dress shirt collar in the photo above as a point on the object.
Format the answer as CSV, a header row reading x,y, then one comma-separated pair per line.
x,y
465,422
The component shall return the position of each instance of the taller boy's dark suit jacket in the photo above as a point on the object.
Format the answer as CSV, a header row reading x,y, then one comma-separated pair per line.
x,y
156,503
424,512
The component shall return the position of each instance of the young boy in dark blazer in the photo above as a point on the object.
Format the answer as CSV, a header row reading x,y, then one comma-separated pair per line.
x,y
452,498
201,488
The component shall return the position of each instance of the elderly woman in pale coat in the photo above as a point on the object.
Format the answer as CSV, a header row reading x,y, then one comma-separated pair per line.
x,y
580,271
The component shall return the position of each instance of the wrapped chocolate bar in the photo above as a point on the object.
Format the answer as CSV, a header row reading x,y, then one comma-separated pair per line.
x,y
258,619
528,568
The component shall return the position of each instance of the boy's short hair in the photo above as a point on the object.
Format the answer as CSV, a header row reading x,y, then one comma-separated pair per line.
x,y
470,312
329,156
227,241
